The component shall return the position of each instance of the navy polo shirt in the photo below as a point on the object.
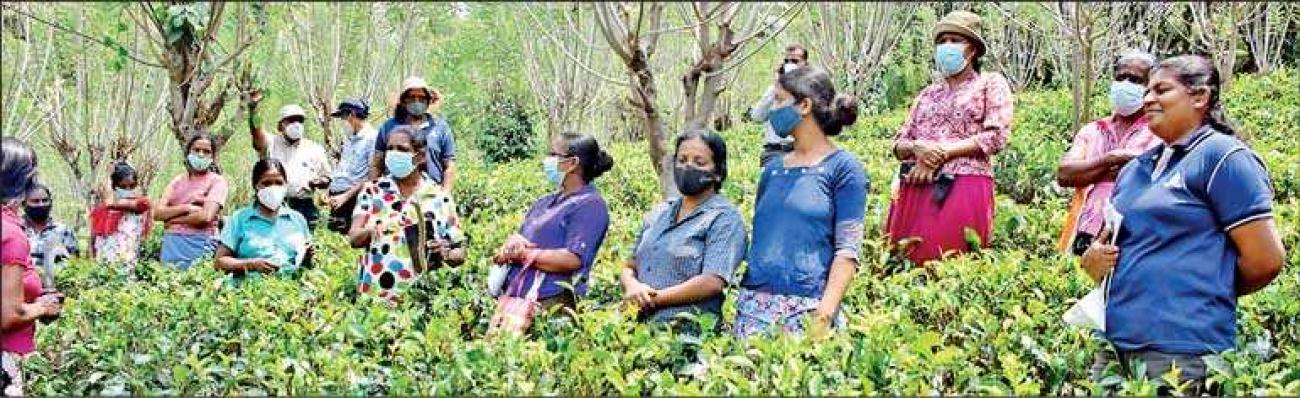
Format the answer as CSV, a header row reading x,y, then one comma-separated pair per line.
x,y
440,145
1174,286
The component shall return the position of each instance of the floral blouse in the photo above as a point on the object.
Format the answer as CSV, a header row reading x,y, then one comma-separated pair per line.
x,y
979,107
387,266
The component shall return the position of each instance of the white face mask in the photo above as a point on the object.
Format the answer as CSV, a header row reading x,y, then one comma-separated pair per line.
x,y
273,196
345,127
293,131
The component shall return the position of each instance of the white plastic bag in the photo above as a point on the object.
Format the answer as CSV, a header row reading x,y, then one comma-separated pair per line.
x,y
1090,311
496,279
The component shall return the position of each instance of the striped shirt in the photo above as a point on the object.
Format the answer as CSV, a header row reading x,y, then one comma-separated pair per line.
x,y
709,240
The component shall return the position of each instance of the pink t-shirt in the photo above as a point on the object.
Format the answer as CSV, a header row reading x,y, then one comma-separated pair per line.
x,y
1093,141
185,188
14,252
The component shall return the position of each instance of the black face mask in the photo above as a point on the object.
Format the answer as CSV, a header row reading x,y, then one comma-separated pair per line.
x,y
692,181
38,213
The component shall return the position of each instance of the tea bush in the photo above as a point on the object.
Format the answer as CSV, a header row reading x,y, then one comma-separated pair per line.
x,y
988,323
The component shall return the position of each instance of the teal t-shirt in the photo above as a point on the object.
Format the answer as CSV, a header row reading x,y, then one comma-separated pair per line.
x,y
249,234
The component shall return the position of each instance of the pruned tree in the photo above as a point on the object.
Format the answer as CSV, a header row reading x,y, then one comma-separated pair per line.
x,y
315,45
1215,27
632,32
719,41
1086,35
1266,31
555,64
186,37
1016,46
856,39
101,114
26,68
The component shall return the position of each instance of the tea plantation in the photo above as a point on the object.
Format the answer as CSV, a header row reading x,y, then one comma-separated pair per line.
x,y
988,323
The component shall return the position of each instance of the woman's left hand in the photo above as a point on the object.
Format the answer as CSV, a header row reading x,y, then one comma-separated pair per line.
x,y
931,155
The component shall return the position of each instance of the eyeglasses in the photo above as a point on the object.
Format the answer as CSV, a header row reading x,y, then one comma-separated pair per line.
x,y
558,155
793,60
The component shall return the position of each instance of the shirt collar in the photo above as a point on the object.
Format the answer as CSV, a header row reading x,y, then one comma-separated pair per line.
x,y
560,197
714,202
283,212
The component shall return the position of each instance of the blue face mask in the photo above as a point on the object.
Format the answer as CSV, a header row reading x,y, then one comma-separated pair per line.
x,y
784,120
123,193
198,162
400,164
551,166
950,58
1126,97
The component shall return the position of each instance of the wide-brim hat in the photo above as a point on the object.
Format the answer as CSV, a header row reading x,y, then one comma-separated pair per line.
x,y
964,23
292,110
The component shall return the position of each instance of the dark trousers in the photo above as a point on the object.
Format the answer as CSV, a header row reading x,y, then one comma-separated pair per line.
x,y
1193,370
341,218
307,207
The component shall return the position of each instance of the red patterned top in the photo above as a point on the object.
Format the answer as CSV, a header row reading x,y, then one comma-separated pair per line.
x,y
978,107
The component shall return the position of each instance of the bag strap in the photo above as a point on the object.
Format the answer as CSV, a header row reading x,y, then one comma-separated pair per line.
x,y
519,278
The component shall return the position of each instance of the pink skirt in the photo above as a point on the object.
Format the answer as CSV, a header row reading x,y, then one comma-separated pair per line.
x,y
941,230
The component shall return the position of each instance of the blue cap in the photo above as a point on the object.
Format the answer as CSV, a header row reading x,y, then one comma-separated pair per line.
x,y
355,106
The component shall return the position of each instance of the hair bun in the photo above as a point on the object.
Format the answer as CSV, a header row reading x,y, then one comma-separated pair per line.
x,y
844,109
604,164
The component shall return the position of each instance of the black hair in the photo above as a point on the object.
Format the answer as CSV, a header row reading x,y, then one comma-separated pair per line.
x,y
1197,72
594,161
831,110
189,144
17,168
121,172
716,145
803,50
36,186
265,164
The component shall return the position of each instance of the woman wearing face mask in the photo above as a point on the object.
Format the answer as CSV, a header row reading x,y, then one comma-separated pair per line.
x,y
808,215
688,248
190,206
49,237
1196,233
22,301
945,184
121,220
1102,147
415,108
407,222
267,236
562,231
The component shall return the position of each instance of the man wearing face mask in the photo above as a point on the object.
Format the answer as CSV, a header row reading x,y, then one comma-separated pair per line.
x,y
47,237
354,161
1104,146
774,145
304,160
416,105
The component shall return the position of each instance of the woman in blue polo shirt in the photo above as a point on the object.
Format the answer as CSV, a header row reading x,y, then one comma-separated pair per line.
x,y
808,216
1196,233
266,236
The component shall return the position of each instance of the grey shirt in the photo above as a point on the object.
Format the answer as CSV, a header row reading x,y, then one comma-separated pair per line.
x,y
710,240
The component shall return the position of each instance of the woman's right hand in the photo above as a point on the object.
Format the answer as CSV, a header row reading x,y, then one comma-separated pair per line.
x,y
641,295
921,174
42,309
260,265
1099,260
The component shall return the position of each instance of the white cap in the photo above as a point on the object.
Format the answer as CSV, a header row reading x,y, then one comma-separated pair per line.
x,y
413,83
292,110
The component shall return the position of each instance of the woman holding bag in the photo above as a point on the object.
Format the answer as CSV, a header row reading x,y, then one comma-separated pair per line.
x,y
407,222
561,233
1197,233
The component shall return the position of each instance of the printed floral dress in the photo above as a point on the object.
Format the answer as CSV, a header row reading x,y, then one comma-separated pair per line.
x,y
388,267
